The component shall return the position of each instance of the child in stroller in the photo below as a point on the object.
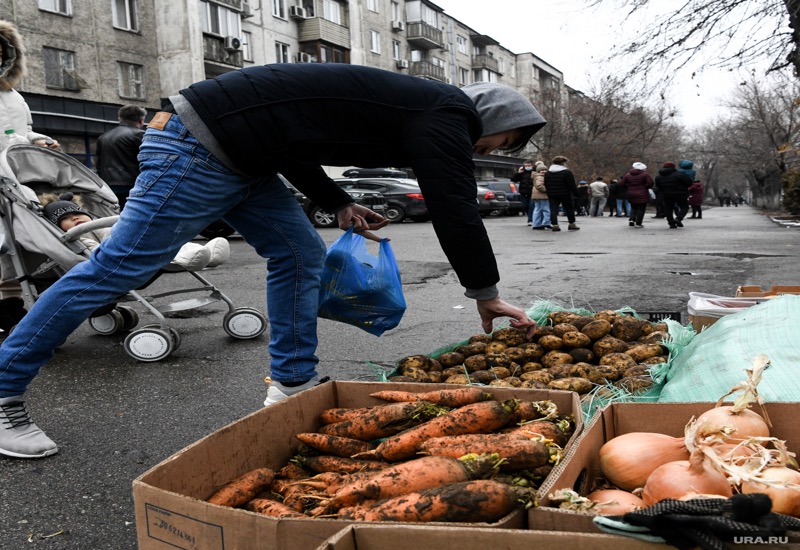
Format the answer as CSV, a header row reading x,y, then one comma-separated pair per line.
x,y
67,211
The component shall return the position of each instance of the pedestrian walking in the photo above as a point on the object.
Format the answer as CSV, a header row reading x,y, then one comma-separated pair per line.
x,y
637,184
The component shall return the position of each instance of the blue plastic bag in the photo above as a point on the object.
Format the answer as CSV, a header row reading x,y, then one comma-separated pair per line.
x,y
360,289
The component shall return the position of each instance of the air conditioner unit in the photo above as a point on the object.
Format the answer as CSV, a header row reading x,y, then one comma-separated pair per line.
x,y
247,11
297,11
305,58
232,44
402,64
398,26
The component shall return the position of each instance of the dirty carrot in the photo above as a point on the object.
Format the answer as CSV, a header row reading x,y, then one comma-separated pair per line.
x,y
291,471
545,428
518,451
414,475
451,397
243,488
272,508
334,444
470,501
534,410
340,414
483,417
338,464
383,421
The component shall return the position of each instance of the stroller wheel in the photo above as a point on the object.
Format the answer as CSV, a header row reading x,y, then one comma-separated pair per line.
x,y
176,338
149,344
129,317
108,324
245,323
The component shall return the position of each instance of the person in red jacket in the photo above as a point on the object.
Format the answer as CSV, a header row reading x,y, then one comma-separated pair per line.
x,y
696,200
636,185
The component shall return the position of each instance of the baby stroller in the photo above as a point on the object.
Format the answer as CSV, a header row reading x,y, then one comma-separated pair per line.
x,y
35,253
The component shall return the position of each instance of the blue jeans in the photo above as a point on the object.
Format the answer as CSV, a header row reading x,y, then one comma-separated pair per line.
x,y
181,189
623,208
541,212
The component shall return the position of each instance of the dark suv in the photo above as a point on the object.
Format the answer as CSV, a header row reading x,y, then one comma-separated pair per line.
x,y
320,218
510,189
403,196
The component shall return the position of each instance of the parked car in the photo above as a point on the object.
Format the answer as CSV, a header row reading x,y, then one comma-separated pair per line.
x,y
374,173
512,195
320,218
492,203
403,196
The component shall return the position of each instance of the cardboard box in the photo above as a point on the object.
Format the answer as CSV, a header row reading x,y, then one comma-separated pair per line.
x,y
169,498
753,291
581,469
705,309
407,537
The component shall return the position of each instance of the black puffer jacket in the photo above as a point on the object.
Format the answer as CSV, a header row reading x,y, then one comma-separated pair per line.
x,y
294,118
525,181
673,183
117,150
560,183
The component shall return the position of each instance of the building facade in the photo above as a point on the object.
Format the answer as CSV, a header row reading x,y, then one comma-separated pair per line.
x,y
86,58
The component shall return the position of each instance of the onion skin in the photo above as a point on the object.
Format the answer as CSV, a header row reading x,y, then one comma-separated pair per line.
x,y
784,500
746,423
628,459
614,502
680,478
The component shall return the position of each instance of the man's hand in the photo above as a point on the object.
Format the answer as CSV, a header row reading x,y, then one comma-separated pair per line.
x,y
363,219
489,309
49,143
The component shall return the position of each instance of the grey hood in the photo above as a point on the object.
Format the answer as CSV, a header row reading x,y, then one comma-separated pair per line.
x,y
502,108
12,63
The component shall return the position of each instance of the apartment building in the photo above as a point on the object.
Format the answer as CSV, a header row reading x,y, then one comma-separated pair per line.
x,y
86,58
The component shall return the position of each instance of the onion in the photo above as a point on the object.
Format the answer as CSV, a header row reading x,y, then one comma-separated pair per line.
x,y
614,502
628,460
745,423
677,479
785,493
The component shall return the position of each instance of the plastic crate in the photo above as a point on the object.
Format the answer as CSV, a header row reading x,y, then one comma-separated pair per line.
x,y
655,316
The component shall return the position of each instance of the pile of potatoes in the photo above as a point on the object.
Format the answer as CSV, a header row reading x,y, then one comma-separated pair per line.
x,y
571,352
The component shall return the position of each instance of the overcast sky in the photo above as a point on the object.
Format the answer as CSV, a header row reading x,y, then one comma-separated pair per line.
x,y
574,39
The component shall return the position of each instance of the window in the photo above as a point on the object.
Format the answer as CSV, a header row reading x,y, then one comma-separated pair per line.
x,y
394,7
438,62
64,7
59,69
463,76
130,79
395,50
281,53
125,14
372,5
485,75
417,55
331,11
331,54
279,8
374,41
501,65
247,50
462,44
430,16
216,19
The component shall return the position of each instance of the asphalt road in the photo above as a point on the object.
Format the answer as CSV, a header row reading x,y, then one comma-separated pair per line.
x,y
114,417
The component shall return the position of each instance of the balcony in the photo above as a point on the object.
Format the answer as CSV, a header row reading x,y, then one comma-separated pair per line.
x,y
424,36
314,29
214,50
483,61
426,69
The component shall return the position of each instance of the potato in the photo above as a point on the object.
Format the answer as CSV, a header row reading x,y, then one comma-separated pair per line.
x,y
539,376
602,374
542,330
497,359
661,327
514,381
635,384
563,328
581,370
457,379
560,371
418,361
531,366
479,338
533,351
401,379
647,328
555,357
495,346
582,321
500,372
627,328
655,360
510,336
435,376
597,329
608,344
450,359
415,373
517,355
533,384
476,362
558,317
607,314
655,337
619,361
501,383
578,385
551,342
641,352
447,373
481,377
581,355
475,348
637,370
434,365
576,339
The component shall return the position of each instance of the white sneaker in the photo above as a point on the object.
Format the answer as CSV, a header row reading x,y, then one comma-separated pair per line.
x,y
19,436
191,257
277,392
220,251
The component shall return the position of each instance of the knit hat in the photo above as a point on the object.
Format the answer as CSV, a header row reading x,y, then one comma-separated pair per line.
x,y
639,166
502,108
540,166
669,165
56,210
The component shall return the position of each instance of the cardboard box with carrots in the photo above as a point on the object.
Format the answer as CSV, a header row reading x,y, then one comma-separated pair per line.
x,y
170,499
